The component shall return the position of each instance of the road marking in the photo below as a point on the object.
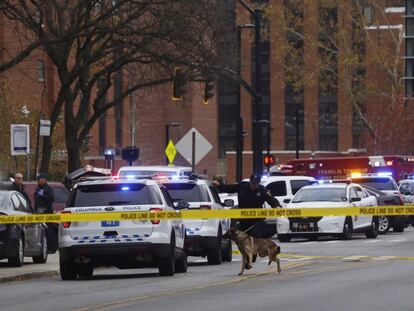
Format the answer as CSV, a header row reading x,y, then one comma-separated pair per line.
x,y
332,242
130,301
372,241
355,257
398,240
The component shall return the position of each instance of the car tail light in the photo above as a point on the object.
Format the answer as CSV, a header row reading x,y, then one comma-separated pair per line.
x,y
156,209
66,224
205,206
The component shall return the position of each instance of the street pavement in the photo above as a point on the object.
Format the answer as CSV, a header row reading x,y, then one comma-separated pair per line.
x,y
360,274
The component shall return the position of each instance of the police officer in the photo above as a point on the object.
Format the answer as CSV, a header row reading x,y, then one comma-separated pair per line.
x,y
43,196
250,195
18,186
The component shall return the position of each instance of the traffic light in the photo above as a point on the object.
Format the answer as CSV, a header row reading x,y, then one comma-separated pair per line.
x,y
130,154
178,84
208,90
269,160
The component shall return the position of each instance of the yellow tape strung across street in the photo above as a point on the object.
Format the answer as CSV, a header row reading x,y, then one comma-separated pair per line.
x,y
82,214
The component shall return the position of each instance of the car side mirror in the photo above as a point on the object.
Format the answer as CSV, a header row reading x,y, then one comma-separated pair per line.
x,y
182,205
286,201
352,200
228,202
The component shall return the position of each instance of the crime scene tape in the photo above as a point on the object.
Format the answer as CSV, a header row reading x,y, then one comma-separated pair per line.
x,y
90,214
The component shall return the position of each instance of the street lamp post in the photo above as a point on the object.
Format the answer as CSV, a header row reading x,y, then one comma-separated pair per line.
x,y
167,136
239,119
257,137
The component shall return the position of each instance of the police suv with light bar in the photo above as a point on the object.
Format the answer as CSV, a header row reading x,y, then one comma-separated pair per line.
x,y
124,244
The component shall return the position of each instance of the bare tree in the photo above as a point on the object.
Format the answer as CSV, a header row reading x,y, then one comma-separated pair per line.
x,y
89,42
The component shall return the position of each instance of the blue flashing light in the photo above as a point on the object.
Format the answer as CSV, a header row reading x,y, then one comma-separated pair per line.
x,y
385,174
109,152
175,177
125,188
130,176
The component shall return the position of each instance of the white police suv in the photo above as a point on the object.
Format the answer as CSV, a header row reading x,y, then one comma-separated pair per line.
x,y
124,244
204,236
329,196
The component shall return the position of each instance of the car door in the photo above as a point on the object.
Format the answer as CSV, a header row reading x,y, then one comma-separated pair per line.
x,y
31,231
352,193
225,223
278,190
366,200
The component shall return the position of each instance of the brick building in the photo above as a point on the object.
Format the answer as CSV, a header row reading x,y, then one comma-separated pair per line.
x,y
328,124
318,97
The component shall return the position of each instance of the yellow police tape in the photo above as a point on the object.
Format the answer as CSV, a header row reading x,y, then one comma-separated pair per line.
x,y
90,214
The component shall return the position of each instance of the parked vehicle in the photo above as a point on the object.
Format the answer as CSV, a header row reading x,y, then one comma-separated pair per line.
x,y
125,244
161,170
20,240
327,196
398,223
204,236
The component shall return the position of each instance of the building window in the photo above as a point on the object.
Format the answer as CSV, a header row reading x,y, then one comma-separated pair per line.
x,y
368,14
40,71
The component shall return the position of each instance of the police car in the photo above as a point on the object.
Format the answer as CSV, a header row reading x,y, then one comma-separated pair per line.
x,y
124,244
204,236
328,196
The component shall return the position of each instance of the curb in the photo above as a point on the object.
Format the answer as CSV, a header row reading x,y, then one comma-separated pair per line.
x,y
29,276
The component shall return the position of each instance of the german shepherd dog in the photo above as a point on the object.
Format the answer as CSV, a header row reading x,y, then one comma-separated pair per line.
x,y
250,247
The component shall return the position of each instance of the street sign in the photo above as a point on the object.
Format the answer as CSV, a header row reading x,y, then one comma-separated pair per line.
x,y
19,139
185,146
44,127
170,152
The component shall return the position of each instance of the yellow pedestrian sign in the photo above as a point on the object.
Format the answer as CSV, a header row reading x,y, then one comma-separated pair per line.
x,y
170,152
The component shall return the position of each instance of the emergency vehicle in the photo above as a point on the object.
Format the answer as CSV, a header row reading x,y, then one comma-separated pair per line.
x,y
399,167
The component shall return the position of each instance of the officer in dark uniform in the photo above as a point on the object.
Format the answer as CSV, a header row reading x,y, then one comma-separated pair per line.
x,y
43,196
250,195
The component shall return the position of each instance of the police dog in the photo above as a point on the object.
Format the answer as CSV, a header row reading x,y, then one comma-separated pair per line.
x,y
250,247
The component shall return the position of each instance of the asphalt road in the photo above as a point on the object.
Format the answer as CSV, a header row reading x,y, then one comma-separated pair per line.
x,y
360,274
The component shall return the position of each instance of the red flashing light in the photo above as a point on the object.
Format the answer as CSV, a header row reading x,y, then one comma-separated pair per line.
x,y
269,159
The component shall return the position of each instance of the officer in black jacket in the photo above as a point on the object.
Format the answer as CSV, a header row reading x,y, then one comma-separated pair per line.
x,y
250,195
43,196
18,186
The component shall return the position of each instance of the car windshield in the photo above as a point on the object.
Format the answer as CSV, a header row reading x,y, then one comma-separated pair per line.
x,y
61,194
118,194
320,195
377,183
188,192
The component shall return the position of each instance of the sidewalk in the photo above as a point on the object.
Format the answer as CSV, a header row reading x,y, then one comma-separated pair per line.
x,y
29,270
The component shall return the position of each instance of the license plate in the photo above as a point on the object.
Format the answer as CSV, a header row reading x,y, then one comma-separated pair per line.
x,y
113,223
300,227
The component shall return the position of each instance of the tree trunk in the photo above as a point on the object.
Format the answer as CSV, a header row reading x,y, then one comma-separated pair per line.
x,y
73,152
46,154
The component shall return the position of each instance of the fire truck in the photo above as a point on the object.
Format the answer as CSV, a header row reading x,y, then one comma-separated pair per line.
x,y
399,167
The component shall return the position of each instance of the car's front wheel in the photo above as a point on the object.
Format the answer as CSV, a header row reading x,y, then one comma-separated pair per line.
x,y
214,255
167,265
372,232
227,252
347,230
181,264
42,258
17,258
383,224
